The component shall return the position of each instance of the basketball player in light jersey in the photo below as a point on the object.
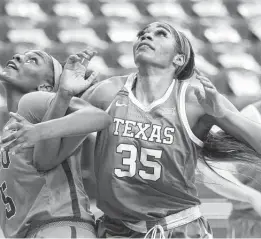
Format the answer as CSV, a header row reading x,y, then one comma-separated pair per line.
x,y
145,161
37,203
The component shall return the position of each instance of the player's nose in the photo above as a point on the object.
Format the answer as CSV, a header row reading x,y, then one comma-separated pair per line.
x,y
18,57
147,36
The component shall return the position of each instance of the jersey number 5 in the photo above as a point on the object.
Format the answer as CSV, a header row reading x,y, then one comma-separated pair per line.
x,y
8,202
131,162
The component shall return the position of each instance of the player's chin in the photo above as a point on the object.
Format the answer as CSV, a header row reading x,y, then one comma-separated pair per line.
x,y
8,75
144,58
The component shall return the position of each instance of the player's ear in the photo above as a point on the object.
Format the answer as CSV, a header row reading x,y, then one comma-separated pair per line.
x,y
179,60
45,87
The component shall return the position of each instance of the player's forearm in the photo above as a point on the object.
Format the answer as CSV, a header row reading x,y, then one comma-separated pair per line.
x,y
52,152
243,129
243,101
46,151
81,122
235,124
66,148
69,144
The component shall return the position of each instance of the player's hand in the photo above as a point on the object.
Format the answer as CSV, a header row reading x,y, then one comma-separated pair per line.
x,y
209,98
73,77
25,135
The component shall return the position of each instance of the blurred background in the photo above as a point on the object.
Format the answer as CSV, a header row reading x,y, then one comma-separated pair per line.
x,y
225,35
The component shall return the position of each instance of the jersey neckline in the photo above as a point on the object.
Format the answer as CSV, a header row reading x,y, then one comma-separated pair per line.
x,y
129,84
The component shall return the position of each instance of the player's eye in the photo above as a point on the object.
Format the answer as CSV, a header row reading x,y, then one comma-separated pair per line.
x,y
32,60
161,33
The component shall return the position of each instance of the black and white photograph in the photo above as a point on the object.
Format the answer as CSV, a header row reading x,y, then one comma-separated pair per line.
x,y
130,119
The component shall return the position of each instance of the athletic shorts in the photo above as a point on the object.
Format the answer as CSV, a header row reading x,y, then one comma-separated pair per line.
x,y
108,228
63,229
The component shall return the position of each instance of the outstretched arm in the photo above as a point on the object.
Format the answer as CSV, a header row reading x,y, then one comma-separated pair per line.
x,y
82,122
226,116
33,108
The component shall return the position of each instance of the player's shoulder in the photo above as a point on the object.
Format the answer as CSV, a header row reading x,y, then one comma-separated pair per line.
x,y
37,97
106,90
34,105
36,100
190,92
113,84
193,107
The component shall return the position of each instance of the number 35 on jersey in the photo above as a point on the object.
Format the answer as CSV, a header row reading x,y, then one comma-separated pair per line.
x,y
147,132
131,162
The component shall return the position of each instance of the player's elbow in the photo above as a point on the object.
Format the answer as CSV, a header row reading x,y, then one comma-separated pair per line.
x,y
45,163
43,167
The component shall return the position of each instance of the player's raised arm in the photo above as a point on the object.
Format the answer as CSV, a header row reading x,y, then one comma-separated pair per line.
x,y
85,121
226,116
50,153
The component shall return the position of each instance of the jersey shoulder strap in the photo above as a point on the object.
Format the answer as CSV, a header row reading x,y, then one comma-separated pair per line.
x,y
183,86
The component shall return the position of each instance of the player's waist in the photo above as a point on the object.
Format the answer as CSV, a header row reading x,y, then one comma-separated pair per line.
x,y
63,221
171,221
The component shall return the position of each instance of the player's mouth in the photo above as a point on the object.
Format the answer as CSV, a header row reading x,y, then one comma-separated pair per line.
x,y
12,65
145,44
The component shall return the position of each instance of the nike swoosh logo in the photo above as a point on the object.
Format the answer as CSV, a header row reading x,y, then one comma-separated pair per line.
x,y
120,104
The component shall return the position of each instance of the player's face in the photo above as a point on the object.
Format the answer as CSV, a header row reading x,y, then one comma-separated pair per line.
x,y
28,71
155,45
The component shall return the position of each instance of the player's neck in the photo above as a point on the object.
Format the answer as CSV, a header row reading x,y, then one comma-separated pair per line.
x,y
13,95
151,86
